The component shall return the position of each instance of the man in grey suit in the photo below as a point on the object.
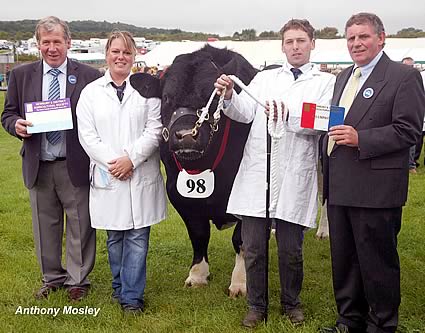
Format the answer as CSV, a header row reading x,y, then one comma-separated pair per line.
x,y
366,178
56,171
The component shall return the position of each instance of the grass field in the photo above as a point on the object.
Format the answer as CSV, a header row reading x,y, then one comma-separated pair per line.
x,y
170,307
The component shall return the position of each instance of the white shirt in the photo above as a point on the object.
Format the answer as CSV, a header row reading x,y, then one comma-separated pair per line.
x,y
296,192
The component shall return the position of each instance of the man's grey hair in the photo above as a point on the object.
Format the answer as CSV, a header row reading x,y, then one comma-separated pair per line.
x,y
366,18
48,24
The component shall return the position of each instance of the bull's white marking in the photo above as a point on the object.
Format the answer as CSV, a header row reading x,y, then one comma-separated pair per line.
x,y
323,229
197,186
198,275
238,283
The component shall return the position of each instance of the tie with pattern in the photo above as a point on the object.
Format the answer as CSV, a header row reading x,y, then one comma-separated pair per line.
x,y
54,93
296,72
347,99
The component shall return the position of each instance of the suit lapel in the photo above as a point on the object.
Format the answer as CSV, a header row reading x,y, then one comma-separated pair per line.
x,y
340,85
376,81
71,77
338,90
36,81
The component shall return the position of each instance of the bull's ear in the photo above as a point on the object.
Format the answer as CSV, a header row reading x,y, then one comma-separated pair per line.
x,y
147,85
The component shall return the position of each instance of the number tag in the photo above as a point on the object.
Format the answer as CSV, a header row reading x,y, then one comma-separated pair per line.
x,y
195,186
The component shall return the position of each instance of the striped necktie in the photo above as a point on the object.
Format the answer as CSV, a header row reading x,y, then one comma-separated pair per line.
x,y
347,99
54,93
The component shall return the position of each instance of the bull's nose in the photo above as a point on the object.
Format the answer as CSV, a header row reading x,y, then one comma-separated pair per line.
x,y
185,135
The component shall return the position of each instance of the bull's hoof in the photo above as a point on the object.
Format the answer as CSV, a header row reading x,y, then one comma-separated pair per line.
x,y
236,290
198,275
322,234
190,283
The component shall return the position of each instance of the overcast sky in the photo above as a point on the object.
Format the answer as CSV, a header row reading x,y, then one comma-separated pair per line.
x,y
220,16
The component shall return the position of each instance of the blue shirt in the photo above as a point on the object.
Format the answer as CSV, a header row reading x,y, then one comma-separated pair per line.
x,y
48,151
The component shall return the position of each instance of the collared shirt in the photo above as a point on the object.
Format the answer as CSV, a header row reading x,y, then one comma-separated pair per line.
x,y
49,152
304,68
367,69
108,81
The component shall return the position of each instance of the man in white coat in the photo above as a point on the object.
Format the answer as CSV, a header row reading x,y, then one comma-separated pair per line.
x,y
294,200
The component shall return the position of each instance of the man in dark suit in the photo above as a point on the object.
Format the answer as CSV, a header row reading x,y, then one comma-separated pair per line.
x,y
54,165
366,177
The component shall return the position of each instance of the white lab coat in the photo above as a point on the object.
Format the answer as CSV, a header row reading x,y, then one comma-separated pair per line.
x,y
109,129
298,148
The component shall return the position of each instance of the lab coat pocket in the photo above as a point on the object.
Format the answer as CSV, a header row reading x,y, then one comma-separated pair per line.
x,y
100,178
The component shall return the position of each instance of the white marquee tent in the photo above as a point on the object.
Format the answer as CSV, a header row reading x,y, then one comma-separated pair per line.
x,y
266,52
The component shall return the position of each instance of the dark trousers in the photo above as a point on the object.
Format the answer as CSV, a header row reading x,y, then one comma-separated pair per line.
x,y
289,238
51,197
365,266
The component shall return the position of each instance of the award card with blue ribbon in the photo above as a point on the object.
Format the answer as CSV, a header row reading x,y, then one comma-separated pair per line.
x,y
321,117
47,116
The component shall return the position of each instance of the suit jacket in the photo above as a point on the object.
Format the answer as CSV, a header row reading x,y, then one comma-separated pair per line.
x,y
25,85
375,174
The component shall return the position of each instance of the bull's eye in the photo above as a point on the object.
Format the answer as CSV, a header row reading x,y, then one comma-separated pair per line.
x,y
165,99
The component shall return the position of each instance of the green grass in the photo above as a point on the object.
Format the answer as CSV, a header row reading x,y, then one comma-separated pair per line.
x,y
170,306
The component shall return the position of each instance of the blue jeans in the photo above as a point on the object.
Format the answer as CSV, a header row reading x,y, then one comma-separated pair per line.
x,y
127,252
412,162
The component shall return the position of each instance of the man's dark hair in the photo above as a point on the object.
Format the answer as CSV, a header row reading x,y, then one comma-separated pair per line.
x,y
297,24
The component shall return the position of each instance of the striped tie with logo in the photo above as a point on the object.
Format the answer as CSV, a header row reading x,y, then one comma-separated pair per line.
x,y
54,93
347,99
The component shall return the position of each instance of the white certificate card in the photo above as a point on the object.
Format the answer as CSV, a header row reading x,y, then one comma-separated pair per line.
x,y
47,116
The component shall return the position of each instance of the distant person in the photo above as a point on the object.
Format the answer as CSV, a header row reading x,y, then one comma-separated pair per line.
x,y
297,81
412,161
54,165
7,74
120,131
366,177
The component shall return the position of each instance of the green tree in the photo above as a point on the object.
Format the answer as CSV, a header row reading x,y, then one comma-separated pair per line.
x,y
327,33
269,35
410,33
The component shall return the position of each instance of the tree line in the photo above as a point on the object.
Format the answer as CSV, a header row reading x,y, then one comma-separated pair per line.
x,y
24,29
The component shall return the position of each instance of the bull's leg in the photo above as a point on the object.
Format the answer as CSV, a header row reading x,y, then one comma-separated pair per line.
x,y
199,234
238,283
323,228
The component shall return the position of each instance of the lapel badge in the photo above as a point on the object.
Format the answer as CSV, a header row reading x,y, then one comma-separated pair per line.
x,y
72,79
368,93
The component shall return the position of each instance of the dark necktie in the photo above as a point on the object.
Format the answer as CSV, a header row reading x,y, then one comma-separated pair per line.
x,y
120,90
296,72
54,93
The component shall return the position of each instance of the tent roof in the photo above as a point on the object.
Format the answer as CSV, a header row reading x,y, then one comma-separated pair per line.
x,y
266,52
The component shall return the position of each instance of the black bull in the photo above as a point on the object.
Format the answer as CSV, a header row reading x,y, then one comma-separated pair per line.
x,y
184,90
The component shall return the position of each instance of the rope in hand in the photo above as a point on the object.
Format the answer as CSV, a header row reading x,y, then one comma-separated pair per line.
x,y
275,127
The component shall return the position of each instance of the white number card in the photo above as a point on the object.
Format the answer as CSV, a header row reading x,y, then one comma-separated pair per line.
x,y
197,186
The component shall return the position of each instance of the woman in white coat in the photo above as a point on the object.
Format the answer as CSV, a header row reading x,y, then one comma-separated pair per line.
x,y
120,131
294,198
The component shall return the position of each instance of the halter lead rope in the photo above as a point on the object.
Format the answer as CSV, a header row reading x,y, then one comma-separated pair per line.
x,y
275,129
205,115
